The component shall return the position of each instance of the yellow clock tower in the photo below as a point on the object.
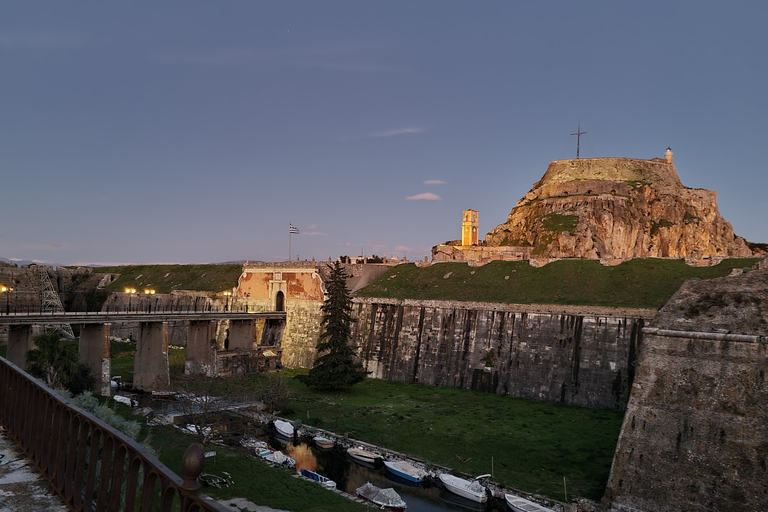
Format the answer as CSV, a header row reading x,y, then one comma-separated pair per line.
x,y
469,228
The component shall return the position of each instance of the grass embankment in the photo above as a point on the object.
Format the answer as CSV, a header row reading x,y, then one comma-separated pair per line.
x,y
533,444
167,278
643,283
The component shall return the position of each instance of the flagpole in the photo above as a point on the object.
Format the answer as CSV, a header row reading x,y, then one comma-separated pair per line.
x,y
289,244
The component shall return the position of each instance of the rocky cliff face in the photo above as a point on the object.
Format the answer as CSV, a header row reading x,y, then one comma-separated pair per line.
x,y
615,209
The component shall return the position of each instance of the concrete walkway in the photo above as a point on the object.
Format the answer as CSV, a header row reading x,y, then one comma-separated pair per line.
x,y
22,487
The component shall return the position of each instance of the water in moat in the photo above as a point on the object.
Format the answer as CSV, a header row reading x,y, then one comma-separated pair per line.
x,y
349,475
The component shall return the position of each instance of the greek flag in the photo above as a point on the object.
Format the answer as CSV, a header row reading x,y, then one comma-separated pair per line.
x,y
293,229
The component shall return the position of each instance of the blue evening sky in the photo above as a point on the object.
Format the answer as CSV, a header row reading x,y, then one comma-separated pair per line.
x,y
196,131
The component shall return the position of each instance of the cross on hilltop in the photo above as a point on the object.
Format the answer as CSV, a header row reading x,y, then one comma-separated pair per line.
x,y
578,135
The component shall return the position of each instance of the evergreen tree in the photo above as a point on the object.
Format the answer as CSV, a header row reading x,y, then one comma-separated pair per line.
x,y
337,369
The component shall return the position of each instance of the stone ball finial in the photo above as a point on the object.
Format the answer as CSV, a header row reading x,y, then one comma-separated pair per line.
x,y
192,465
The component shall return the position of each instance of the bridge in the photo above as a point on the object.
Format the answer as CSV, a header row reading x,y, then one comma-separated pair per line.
x,y
151,361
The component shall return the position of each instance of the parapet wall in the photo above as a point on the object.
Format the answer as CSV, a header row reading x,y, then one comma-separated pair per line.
x,y
655,171
556,355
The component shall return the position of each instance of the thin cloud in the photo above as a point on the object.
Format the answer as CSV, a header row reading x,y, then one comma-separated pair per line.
x,y
435,182
398,131
402,248
427,196
313,233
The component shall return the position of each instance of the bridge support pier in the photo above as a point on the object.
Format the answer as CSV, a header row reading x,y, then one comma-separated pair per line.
x,y
94,351
201,348
19,342
150,368
242,334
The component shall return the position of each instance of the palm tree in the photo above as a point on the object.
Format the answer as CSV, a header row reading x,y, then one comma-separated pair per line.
x,y
54,360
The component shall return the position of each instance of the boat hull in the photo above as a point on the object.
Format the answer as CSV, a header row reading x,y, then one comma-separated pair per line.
x,y
461,487
405,471
364,456
518,504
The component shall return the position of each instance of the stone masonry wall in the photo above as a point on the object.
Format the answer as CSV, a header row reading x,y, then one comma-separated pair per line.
x,y
694,436
543,354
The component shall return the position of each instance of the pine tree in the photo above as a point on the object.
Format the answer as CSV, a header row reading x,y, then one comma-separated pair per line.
x,y
337,369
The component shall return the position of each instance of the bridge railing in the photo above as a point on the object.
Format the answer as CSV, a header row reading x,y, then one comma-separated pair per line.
x,y
92,466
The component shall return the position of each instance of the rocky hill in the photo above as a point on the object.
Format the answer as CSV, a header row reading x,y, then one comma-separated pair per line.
x,y
615,209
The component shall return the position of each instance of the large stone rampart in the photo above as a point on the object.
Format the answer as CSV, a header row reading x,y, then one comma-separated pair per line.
x,y
694,436
553,353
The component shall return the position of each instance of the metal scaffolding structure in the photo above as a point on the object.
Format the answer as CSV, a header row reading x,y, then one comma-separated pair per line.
x,y
51,303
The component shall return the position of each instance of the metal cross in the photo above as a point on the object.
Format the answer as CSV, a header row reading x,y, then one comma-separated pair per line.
x,y
578,135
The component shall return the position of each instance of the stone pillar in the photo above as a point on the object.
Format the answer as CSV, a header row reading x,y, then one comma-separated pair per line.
x,y
94,351
150,368
19,342
242,334
201,348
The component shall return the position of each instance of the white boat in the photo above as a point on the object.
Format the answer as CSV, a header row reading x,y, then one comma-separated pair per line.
x,y
276,457
470,489
518,504
405,470
317,477
323,442
284,428
361,455
383,498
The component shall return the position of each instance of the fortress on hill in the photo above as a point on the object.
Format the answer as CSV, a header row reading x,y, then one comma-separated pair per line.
x,y
607,209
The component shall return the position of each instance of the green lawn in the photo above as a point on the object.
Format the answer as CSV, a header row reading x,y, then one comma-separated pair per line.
x,y
644,283
533,445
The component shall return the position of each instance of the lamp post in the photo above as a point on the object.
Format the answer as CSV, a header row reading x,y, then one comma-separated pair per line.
x,y
131,292
147,293
227,294
7,291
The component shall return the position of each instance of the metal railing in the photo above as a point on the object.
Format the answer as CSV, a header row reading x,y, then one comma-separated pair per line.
x,y
92,466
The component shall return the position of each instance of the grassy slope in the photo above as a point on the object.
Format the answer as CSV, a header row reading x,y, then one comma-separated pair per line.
x,y
533,444
166,278
646,283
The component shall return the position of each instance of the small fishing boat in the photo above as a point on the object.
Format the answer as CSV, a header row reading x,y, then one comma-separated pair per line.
x,y
518,504
405,470
276,457
470,489
323,442
361,455
384,498
316,477
284,428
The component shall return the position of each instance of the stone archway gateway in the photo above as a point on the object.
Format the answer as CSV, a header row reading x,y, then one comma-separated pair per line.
x,y
280,301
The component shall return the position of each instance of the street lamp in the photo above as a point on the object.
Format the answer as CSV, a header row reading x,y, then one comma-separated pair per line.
x,y
131,292
227,294
7,291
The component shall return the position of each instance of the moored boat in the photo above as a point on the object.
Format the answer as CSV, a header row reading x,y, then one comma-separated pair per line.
x,y
470,489
276,457
361,455
284,428
317,477
405,470
384,498
518,504
323,442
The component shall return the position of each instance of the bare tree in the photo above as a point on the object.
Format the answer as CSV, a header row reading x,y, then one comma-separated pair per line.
x,y
204,401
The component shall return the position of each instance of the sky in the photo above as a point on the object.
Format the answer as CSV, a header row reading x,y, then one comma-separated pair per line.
x,y
197,131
